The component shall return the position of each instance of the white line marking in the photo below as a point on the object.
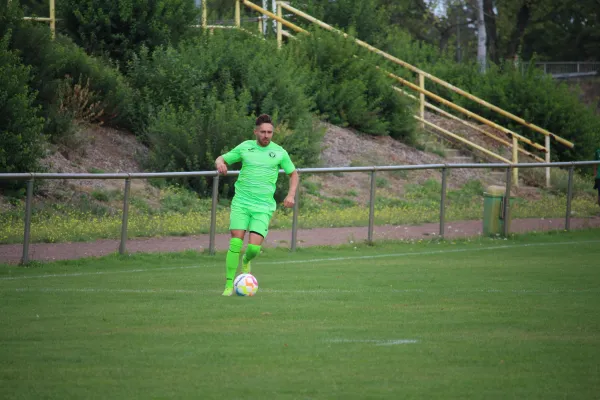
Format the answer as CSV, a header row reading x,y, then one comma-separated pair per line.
x,y
427,252
127,271
313,260
376,342
307,291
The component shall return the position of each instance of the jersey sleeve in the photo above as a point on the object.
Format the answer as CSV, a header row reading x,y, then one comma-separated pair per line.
x,y
286,163
234,155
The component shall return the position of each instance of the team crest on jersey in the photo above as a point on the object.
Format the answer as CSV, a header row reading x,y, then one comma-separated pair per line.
x,y
251,149
271,154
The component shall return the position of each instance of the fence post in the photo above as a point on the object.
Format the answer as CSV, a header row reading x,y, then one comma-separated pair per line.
x,y
443,203
204,13
213,216
237,14
295,220
506,203
547,157
27,230
569,195
122,246
515,159
371,208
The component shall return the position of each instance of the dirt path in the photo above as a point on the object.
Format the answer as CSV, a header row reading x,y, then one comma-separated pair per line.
x,y
12,253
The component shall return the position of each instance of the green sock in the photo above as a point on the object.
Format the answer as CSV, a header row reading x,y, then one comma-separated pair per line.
x,y
232,260
251,251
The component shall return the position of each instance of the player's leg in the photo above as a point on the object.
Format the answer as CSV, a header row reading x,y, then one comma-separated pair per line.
x,y
239,220
258,228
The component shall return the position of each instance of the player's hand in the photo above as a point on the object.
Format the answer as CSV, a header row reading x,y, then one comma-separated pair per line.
x,y
222,168
289,201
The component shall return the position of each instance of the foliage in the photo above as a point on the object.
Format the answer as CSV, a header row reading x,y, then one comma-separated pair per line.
x,y
201,98
351,91
538,99
71,84
119,28
20,123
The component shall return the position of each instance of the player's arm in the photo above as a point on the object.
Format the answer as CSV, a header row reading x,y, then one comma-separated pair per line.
x,y
221,165
290,199
231,157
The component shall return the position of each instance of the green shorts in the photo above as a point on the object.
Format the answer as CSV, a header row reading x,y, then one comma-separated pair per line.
x,y
242,218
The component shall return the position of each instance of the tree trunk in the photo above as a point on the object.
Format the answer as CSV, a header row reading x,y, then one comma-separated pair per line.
x,y
491,31
523,17
481,38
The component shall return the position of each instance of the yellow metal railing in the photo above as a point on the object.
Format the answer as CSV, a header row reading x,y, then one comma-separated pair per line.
x,y
420,88
422,93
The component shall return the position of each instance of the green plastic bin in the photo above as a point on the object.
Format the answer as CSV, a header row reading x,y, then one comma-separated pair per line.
x,y
493,211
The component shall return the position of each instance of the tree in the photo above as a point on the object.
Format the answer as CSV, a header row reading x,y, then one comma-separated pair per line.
x,y
481,38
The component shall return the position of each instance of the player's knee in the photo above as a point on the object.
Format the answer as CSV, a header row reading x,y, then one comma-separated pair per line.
x,y
235,245
252,251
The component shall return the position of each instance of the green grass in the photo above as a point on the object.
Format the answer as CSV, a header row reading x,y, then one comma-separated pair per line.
x,y
450,320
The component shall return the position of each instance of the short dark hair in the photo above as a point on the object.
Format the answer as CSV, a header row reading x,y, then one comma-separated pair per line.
x,y
263,119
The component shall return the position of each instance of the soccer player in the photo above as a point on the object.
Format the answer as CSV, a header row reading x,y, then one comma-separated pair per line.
x,y
253,203
597,174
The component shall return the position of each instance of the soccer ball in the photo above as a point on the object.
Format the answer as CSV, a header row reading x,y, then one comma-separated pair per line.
x,y
245,285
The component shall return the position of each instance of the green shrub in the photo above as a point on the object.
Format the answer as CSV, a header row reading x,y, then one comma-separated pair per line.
x,y
22,142
71,84
350,91
119,28
201,98
529,94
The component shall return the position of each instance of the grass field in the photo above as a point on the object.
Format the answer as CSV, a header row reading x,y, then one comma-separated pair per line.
x,y
479,319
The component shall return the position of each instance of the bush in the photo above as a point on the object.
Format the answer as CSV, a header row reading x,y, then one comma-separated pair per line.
x,y
201,99
351,91
531,95
120,28
541,100
20,125
71,84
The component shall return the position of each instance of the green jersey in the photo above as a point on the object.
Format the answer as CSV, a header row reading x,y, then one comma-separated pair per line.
x,y
597,158
255,185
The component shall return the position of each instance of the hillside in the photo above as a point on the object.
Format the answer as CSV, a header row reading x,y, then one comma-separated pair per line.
x,y
106,150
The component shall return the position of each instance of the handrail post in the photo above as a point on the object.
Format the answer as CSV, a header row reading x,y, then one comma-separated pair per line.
x,y
122,246
279,27
443,203
422,99
515,160
53,18
213,216
237,14
569,195
295,220
547,157
27,230
371,208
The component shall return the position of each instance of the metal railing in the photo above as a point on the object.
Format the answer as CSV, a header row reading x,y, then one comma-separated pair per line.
x,y
569,69
127,177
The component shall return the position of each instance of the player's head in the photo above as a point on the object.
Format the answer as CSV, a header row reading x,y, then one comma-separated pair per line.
x,y
263,130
